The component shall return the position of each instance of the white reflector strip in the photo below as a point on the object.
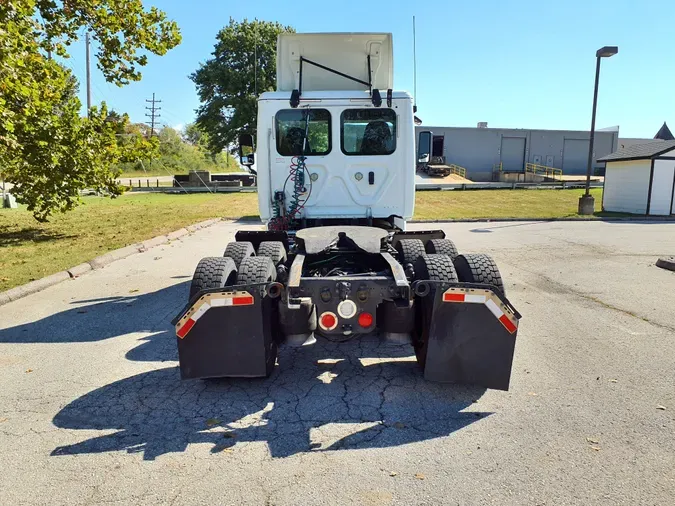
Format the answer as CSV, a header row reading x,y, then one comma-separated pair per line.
x,y
476,299
200,312
214,300
494,309
489,299
221,302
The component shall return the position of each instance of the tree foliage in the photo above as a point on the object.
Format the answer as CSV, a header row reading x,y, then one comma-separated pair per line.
x,y
178,152
227,83
121,28
47,151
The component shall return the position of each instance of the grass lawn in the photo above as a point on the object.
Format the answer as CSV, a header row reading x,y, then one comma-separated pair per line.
x,y
30,250
474,204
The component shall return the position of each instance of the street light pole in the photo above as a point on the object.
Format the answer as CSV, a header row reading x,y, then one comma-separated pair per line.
x,y
586,201
589,167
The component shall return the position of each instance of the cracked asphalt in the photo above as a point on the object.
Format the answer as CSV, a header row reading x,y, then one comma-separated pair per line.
x,y
92,409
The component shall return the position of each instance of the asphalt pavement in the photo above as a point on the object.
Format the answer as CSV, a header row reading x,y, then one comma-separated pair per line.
x,y
92,409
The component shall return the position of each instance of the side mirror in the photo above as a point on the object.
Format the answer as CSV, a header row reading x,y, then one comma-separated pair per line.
x,y
246,149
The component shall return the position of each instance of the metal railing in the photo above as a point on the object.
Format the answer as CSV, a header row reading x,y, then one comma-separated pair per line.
x,y
458,170
544,170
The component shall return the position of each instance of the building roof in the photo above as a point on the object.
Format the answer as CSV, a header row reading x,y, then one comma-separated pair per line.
x,y
625,142
664,133
640,151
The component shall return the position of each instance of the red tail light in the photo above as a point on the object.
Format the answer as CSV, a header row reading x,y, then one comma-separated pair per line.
x,y
365,320
328,320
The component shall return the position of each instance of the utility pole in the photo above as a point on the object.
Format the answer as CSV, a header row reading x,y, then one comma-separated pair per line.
x,y
153,113
86,39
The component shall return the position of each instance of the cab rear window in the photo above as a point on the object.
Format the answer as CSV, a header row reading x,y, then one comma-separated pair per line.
x,y
368,131
293,125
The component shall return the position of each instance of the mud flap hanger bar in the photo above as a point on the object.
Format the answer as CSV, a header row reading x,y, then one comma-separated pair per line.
x,y
376,98
273,291
422,288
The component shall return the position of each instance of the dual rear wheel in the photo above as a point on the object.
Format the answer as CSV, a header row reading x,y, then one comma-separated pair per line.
x,y
439,260
238,265
442,263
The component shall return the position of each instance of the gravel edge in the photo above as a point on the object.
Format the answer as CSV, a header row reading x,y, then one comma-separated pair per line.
x,y
99,262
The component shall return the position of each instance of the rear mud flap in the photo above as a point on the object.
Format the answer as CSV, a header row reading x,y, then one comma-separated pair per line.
x,y
229,333
471,337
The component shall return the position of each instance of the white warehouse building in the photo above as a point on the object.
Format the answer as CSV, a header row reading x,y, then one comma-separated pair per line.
x,y
640,179
480,150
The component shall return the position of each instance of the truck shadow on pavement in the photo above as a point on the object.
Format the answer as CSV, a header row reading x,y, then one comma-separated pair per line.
x,y
360,394
106,318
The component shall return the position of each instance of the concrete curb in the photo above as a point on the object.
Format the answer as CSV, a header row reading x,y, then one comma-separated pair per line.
x,y
116,254
34,286
202,224
78,270
151,243
667,263
177,234
100,261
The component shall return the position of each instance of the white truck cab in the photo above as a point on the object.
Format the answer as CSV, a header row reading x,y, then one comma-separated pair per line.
x,y
335,142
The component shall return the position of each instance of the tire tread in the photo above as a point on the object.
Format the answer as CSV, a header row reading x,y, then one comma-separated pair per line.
x,y
479,268
435,267
442,247
274,250
256,270
212,272
409,250
238,251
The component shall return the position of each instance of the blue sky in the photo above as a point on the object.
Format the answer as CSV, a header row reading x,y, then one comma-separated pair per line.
x,y
521,64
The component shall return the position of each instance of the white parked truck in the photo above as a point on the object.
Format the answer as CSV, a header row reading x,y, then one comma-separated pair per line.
x,y
335,157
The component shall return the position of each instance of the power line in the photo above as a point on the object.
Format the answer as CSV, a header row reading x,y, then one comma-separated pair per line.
x,y
153,113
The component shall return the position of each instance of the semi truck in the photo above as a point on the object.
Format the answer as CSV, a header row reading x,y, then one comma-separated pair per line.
x,y
335,157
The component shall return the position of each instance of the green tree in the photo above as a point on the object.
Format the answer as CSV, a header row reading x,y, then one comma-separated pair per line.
x,y
47,150
133,140
227,82
194,135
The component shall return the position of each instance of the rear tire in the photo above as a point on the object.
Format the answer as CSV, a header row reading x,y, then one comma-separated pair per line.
x,y
213,272
237,251
479,268
434,268
274,250
409,250
256,270
442,247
